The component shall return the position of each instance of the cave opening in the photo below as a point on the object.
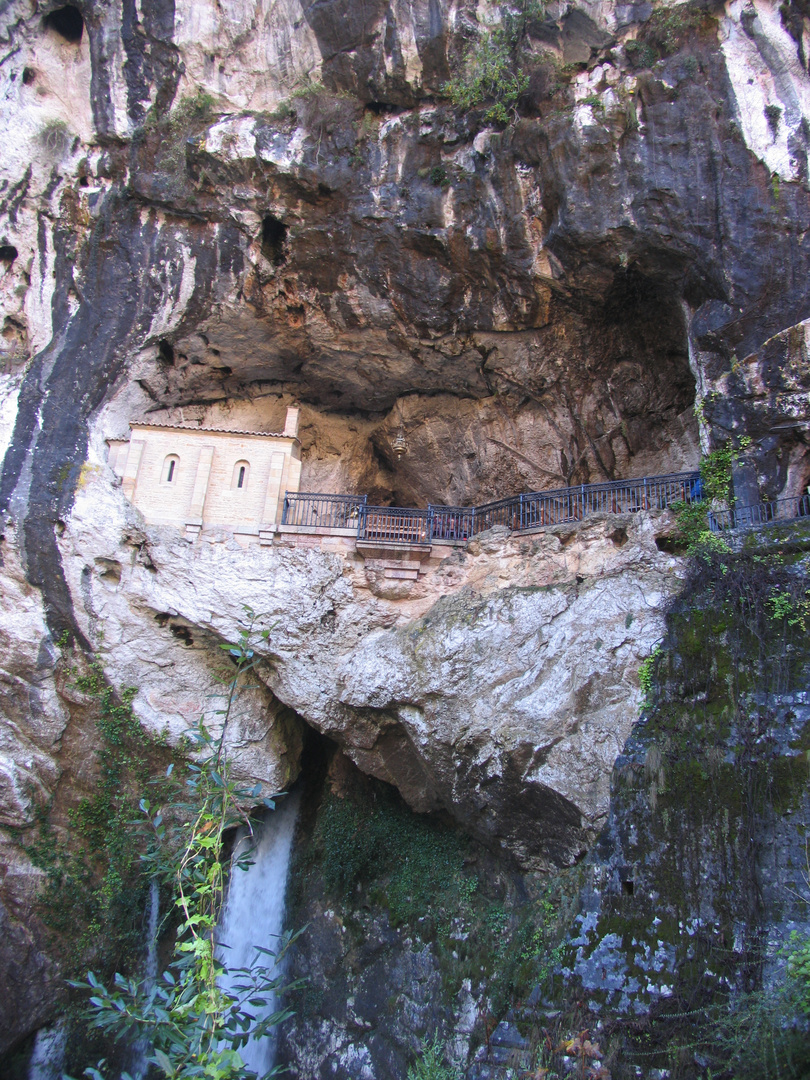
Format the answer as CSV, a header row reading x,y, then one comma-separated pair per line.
x,y
8,253
166,352
380,108
632,293
274,238
67,22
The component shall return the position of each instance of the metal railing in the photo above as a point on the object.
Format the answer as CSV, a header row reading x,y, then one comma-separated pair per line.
x,y
616,497
452,522
322,511
532,510
778,512
393,524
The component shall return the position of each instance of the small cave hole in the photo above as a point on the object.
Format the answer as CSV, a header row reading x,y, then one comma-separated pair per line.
x,y
672,545
627,887
8,253
166,352
109,570
66,21
225,370
274,237
182,633
162,618
380,108
632,295
618,537
28,76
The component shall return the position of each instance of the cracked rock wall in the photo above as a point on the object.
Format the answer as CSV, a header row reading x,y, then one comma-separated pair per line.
x,y
210,211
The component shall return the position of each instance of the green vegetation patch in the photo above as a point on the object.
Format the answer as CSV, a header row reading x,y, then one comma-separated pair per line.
x,y
94,893
369,853
495,74
667,31
415,863
719,758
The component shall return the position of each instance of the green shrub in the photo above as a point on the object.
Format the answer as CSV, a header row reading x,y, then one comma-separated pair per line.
x,y
93,895
646,674
430,1064
418,861
439,177
715,475
494,72
773,114
193,1026
669,25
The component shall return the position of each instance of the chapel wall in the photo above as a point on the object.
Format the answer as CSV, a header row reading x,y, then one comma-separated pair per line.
x,y
203,490
161,502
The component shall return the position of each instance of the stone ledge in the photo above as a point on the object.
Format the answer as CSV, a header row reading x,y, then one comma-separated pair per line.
x,y
389,549
315,530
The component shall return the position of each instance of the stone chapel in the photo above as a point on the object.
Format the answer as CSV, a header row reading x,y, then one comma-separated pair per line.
x,y
200,478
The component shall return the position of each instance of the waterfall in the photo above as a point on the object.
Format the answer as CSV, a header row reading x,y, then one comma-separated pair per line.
x,y
47,1061
152,941
254,909
142,1048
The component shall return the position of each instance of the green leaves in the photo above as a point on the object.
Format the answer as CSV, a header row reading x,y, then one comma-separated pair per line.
x,y
493,74
195,1028
646,674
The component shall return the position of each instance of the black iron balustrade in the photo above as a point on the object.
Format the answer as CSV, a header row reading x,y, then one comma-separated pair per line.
x,y
535,509
394,524
563,505
777,512
322,511
532,510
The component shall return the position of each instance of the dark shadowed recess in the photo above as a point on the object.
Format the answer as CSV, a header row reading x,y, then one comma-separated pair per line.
x,y
274,237
67,22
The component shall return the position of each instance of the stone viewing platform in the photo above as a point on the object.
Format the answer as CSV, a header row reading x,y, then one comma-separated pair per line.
x,y
245,484
352,515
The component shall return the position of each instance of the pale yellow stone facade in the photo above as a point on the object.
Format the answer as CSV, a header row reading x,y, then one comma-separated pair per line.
x,y
199,479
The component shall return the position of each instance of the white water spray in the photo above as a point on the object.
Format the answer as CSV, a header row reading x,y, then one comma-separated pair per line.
x,y
142,1048
152,943
254,910
47,1061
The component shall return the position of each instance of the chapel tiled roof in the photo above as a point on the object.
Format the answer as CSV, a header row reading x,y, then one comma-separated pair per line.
x,y
215,431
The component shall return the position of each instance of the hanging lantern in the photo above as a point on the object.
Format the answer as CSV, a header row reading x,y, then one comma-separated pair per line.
x,y
399,445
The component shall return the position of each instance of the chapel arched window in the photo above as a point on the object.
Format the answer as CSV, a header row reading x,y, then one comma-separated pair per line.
x,y
241,471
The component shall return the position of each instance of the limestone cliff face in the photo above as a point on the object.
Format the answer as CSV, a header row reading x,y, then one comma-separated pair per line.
x,y
210,211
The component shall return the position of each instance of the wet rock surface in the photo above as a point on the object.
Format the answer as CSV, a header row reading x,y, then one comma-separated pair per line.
x,y
208,212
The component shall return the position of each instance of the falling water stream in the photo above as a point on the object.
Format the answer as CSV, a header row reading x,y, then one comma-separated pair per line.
x,y
48,1056
142,1048
254,910
253,915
